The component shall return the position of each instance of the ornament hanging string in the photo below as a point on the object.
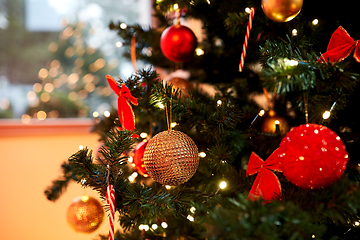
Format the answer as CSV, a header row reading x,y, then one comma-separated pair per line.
x,y
248,29
110,199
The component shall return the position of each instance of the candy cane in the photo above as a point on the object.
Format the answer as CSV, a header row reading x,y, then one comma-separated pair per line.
x,y
110,199
248,29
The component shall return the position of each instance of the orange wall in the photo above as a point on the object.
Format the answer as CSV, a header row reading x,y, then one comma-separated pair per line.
x,y
28,164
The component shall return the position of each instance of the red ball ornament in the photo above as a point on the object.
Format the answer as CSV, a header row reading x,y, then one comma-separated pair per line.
x,y
312,156
178,43
138,160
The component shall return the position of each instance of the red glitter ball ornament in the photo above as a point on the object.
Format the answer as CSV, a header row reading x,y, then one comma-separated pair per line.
x,y
138,160
312,156
178,43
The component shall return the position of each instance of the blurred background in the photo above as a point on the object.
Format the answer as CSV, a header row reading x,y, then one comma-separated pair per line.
x,y
55,55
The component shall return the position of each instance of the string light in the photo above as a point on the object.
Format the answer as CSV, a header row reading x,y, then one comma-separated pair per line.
x,y
192,210
219,102
130,159
190,218
164,224
176,6
154,226
168,187
143,135
118,44
106,113
95,114
223,185
247,10
294,32
173,124
326,114
202,154
315,22
123,26
199,52
81,147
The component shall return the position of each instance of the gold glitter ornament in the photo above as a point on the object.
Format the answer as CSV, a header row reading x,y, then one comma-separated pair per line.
x,y
85,214
281,10
171,157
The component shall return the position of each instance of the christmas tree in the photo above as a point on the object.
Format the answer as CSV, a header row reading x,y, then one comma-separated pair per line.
x,y
224,165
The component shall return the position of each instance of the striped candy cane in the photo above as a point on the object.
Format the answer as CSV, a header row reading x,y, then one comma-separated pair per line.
x,y
248,29
110,199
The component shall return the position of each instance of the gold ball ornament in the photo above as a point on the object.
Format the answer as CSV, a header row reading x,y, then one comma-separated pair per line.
x,y
85,214
171,158
281,10
273,121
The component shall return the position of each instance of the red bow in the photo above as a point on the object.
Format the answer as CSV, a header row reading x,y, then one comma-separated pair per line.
x,y
340,47
126,113
266,183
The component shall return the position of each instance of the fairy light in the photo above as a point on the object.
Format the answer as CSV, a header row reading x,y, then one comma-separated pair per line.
x,y
41,115
143,135
219,102
131,178
315,22
202,154
223,185
168,187
356,223
192,210
118,44
199,52
164,225
123,26
161,106
81,147
176,6
190,218
326,114
173,124
95,114
106,113
154,226
294,32
313,236
248,10
130,159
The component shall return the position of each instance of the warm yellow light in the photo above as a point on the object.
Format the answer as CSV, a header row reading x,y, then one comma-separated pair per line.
x,y
160,105
315,22
261,113
326,114
43,73
199,51
123,26
118,44
85,198
293,63
356,223
219,102
202,154
154,226
277,122
45,97
37,87
190,218
223,185
25,119
41,115
294,32
168,187
49,87
192,209
31,95
95,114
248,10
130,159
131,179
73,96
173,124
81,147
164,224
106,113
176,6
143,135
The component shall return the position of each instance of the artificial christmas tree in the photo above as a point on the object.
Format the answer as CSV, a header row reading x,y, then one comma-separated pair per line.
x,y
226,129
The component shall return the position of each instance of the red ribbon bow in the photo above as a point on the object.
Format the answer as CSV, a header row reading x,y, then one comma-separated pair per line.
x,y
126,113
266,183
340,47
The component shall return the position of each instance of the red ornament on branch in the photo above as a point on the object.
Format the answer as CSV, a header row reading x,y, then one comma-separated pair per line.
x,y
340,47
126,113
266,184
139,159
312,156
178,43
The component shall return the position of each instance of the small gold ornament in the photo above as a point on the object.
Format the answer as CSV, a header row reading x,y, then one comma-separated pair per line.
x,y
273,121
171,157
85,214
281,10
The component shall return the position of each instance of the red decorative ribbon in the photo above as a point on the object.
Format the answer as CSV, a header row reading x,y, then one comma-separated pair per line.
x,y
266,184
126,113
110,199
340,47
